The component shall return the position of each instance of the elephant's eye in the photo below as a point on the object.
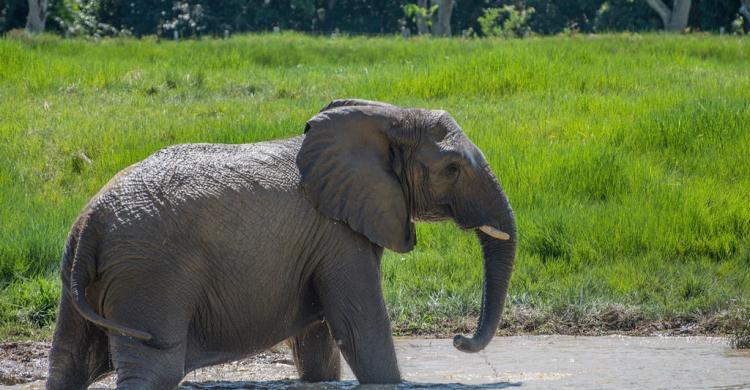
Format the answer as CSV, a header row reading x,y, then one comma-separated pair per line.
x,y
451,171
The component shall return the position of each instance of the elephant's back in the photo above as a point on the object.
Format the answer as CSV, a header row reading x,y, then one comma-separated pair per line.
x,y
180,180
190,171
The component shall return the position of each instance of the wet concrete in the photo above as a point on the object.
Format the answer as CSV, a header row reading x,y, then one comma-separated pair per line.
x,y
525,362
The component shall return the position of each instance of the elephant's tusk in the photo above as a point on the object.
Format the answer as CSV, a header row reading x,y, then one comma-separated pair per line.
x,y
494,233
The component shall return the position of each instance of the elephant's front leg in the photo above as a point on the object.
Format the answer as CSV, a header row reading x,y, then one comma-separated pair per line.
x,y
349,290
316,355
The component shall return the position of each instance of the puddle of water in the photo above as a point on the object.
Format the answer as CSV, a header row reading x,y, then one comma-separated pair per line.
x,y
541,362
526,362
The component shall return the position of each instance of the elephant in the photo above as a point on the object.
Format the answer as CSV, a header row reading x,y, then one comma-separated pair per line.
x,y
208,253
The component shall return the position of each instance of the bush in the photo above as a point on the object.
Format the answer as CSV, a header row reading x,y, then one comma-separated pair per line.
x,y
200,17
83,18
506,22
713,15
553,16
12,14
32,302
186,20
626,15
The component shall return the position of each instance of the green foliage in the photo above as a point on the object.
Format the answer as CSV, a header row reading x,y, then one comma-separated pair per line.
x,y
626,15
187,19
711,15
624,156
81,18
489,22
199,17
13,14
553,16
507,22
737,25
413,11
30,303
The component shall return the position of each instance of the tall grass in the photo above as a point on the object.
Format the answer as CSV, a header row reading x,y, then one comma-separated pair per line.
x,y
625,156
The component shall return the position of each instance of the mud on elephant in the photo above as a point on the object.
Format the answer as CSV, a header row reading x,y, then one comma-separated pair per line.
x,y
206,253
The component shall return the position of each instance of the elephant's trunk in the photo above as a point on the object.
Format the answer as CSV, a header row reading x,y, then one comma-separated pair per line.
x,y
499,256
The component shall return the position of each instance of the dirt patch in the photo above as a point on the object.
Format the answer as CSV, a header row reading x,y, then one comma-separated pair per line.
x,y
26,361
22,362
533,362
592,320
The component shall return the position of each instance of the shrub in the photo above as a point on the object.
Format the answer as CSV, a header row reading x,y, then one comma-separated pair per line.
x,y
506,22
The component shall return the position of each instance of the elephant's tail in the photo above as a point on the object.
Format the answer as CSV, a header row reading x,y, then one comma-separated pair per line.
x,y
82,271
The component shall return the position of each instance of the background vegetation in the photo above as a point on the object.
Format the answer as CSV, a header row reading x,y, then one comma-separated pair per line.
x,y
202,17
624,156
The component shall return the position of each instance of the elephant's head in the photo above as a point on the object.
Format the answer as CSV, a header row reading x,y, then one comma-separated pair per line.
x,y
379,168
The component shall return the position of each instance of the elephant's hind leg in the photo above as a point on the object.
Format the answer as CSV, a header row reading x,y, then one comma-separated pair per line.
x,y
145,367
316,355
155,364
79,353
160,362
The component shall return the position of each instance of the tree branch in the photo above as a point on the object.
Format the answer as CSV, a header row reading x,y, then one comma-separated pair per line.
x,y
422,28
661,9
745,9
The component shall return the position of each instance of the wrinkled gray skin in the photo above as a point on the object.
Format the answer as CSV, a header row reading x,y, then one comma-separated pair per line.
x,y
204,253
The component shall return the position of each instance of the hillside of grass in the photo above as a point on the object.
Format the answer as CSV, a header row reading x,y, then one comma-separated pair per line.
x,y
625,158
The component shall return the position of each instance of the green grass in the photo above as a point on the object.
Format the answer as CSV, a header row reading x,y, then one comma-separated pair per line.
x,y
624,156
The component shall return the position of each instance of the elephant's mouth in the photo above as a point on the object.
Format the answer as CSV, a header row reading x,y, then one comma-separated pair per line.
x,y
438,213
446,211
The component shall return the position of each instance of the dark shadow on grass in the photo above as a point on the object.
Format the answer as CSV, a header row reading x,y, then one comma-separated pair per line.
x,y
291,384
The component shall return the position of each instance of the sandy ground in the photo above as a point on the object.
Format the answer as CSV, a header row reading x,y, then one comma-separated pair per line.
x,y
529,362
22,362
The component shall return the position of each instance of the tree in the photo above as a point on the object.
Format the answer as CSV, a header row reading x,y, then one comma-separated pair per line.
x,y
674,19
422,14
441,25
506,22
37,16
431,17
745,9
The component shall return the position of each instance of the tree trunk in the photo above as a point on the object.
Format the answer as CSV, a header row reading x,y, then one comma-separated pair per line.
x,y
37,16
441,24
745,9
422,28
675,19
680,12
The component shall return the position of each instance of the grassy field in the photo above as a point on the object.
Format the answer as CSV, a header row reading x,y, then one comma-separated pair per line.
x,y
625,158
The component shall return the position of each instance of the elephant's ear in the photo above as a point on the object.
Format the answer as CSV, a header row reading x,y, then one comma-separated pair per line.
x,y
350,103
346,167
